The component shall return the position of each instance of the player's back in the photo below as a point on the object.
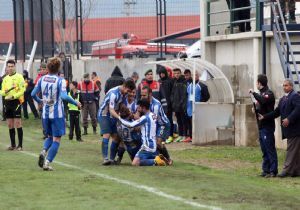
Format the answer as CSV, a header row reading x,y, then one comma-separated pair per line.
x,y
112,98
51,88
157,109
148,131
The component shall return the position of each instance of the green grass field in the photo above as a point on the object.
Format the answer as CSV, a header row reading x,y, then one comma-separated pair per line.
x,y
201,178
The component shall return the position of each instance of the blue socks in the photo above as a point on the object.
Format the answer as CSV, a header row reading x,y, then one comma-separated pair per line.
x,y
105,148
147,162
113,150
53,151
47,143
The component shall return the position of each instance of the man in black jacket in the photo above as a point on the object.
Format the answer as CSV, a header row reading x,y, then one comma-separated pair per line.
x,y
265,104
27,96
289,111
166,84
115,80
178,101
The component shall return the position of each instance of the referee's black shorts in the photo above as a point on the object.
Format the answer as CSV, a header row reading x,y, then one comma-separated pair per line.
x,y
12,109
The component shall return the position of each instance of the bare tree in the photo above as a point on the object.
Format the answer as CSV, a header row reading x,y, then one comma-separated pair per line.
x,y
68,34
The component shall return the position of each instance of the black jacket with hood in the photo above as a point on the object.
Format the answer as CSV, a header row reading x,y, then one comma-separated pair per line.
x,y
115,80
167,86
179,95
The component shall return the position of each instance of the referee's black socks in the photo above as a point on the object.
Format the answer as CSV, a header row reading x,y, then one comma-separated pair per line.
x,y
12,135
20,136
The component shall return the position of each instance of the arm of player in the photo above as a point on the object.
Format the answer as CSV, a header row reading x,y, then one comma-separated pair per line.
x,y
64,96
135,123
35,91
112,101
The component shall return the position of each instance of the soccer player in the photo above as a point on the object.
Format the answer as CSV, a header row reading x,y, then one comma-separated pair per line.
x,y
130,101
53,90
147,155
13,88
107,118
163,124
130,137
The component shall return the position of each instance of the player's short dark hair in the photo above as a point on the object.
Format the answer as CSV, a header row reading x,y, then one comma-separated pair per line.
x,y
75,83
144,103
262,79
94,73
53,65
124,111
129,84
187,71
146,87
177,69
11,62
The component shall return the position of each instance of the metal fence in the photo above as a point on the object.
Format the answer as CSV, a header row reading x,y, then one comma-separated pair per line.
x,y
103,28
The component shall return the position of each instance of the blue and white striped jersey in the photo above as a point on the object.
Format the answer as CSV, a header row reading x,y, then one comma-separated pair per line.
x,y
148,130
156,108
132,107
112,99
51,88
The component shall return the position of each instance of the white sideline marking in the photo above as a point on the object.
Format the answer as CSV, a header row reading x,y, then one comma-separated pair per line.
x,y
132,184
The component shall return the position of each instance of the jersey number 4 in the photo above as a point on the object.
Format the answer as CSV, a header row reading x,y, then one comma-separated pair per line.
x,y
48,90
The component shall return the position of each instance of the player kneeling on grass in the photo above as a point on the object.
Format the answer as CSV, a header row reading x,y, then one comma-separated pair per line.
x,y
130,138
53,89
147,155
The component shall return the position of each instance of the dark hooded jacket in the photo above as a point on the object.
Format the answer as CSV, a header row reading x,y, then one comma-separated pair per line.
x,y
28,83
179,95
115,80
167,86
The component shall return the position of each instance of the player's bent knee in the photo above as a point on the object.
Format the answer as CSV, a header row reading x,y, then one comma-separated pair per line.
x,y
135,162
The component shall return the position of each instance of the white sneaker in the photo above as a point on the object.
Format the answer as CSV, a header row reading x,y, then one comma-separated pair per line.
x,y
46,166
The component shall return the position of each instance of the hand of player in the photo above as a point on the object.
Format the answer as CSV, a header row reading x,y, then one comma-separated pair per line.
x,y
285,122
260,117
9,97
79,105
251,91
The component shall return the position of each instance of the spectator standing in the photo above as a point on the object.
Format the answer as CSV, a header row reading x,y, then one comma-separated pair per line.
x,y
115,80
135,77
41,72
97,81
154,85
178,100
13,88
289,111
167,86
29,85
88,90
74,112
291,8
189,108
265,104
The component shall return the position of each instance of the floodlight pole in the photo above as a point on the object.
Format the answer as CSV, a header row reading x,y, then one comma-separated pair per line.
x,y
6,58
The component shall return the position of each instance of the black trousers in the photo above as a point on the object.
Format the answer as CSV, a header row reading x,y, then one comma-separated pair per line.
x,y
189,126
3,108
181,116
170,117
75,123
29,101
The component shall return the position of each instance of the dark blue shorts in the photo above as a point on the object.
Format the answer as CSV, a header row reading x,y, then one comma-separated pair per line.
x,y
54,127
163,132
107,125
144,155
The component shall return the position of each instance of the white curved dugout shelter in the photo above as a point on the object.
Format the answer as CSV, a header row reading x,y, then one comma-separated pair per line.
x,y
213,121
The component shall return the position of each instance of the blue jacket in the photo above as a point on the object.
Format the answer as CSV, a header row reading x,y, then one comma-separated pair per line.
x,y
189,107
288,107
